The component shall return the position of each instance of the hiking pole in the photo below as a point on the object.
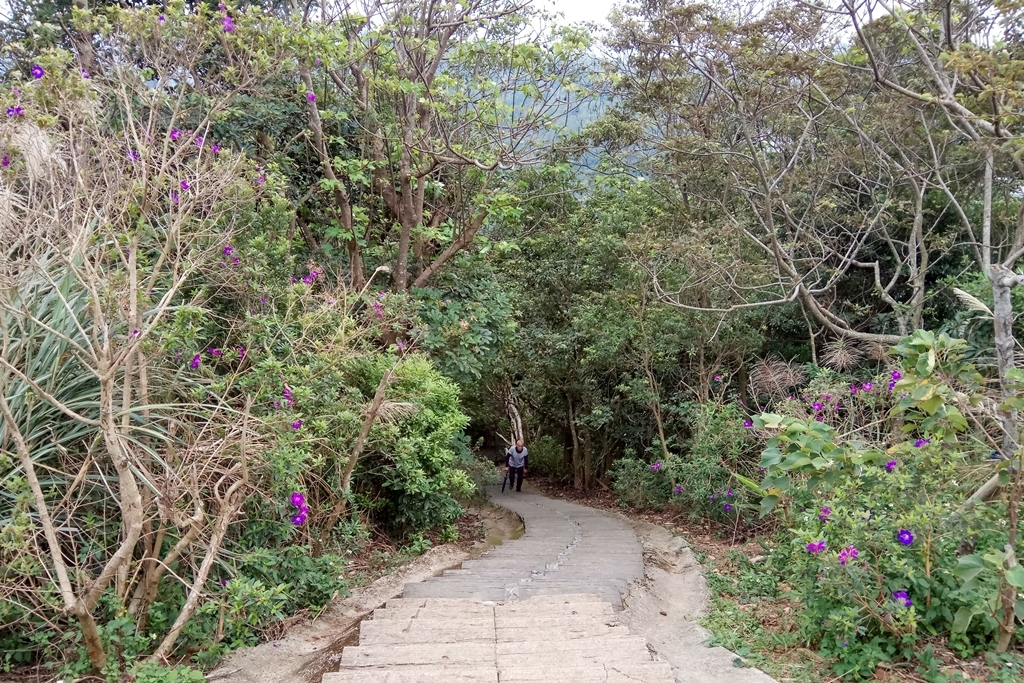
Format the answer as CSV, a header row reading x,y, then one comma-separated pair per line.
x,y
504,481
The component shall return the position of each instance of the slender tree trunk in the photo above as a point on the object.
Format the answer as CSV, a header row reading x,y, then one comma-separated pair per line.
x,y
1002,283
918,260
588,462
577,481
345,482
231,503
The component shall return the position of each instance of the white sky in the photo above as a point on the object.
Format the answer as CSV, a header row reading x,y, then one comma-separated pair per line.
x,y
580,10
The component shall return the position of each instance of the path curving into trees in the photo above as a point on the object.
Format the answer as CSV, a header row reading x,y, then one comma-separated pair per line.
x,y
566,549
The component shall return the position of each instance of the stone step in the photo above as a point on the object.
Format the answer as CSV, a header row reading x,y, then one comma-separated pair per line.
x,y
528,633
403,631
437,590
552,609
551,621
432,653
417,674
598,644
647,672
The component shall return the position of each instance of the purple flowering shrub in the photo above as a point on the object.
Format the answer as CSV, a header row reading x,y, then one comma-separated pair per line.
x,y
879,569
704,484
886,562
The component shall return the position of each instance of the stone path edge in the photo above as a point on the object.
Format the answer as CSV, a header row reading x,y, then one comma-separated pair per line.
x,y
669,556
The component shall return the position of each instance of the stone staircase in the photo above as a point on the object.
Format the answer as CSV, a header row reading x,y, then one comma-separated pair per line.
x,y
563,638
541,608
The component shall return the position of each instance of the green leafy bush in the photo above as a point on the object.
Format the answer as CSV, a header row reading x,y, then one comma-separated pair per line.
x,y
547,458
704,471
638,485
150,672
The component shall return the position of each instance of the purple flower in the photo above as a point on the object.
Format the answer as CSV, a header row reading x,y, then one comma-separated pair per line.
x,y
215,149
135,333
902,597
656,466
905,537
296,424
15,111
263,299
175,197
175,134
85,74
712,496
241,352
379,309
311,96
825,512
133,155
853,389
261,178
817,407
718,378
297,520
747,424
846,554
38,71
896,377
815,548
5,162
199,141
229,26
216,353
161,18
679,489
196,360
727,507
228,250
867,386
400,345
818,418
891,465
234,261
298,499
729,493
222,7
921,442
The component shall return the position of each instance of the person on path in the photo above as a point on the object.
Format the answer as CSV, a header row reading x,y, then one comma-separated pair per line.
x,y
516,464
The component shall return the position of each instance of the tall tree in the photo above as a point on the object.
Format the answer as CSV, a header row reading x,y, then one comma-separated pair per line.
x,y
413,108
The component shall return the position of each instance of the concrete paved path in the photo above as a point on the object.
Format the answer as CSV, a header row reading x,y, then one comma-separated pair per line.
x,y
544,607
567,548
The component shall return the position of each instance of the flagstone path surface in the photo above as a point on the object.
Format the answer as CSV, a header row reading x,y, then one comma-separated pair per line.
x,y
542,608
